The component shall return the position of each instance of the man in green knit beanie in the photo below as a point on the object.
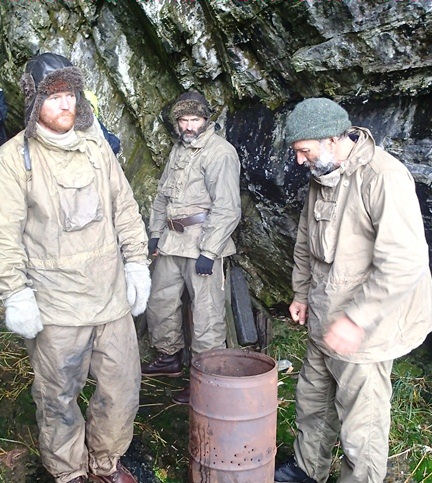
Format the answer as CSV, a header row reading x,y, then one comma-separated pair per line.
x,y
362,283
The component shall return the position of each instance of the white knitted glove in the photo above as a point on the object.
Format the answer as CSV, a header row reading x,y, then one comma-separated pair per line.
x,y
22,314
138,285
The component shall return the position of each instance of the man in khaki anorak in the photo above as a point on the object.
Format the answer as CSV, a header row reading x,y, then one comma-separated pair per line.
x,y
74,264
196,209
362,282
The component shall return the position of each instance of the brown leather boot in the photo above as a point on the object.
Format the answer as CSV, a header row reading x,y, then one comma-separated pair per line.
x,y
121,475
182,397
164,365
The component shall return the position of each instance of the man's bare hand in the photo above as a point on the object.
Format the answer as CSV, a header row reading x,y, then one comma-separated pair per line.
x,y
298,312
344,336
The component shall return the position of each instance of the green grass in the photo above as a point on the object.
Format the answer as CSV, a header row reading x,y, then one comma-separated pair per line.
x,y
163,427
411,428
410,457
288,343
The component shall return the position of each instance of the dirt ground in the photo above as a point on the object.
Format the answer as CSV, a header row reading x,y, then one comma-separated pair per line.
x,y
158,452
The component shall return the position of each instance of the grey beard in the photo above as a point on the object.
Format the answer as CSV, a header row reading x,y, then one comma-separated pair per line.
x,y
321,167
188,138
324,164
192,137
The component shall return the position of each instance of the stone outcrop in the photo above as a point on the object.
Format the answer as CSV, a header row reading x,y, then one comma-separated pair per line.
x,y
253,59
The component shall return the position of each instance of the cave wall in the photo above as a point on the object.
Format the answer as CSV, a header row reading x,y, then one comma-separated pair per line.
x,y
253,59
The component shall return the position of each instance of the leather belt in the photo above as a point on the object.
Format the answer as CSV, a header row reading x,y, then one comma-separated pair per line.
x,y
179,224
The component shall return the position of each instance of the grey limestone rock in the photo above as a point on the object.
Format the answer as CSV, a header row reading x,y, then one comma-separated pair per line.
x,y
253,59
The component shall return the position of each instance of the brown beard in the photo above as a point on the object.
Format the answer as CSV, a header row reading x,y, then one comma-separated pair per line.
x,y
57,125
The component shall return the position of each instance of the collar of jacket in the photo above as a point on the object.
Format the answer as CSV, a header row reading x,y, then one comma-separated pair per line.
x,y
93,133
77,143
203,138
362,152
330,179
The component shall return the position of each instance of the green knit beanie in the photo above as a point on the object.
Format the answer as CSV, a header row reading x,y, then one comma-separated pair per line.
x,y
316,118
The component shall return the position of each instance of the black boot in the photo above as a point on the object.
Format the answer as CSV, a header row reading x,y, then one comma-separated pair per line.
x,y
164,365
289,472
182,397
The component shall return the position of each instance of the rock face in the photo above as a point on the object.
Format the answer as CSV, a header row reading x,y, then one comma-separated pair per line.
x,y
253,59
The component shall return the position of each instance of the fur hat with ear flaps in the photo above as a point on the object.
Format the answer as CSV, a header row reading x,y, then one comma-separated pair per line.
x,y
47,74
190,103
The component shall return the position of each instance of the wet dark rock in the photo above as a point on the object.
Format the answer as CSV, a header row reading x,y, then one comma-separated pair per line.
x,y
257,58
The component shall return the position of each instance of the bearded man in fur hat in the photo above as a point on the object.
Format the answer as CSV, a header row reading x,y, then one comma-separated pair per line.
x,y
196,209
74,267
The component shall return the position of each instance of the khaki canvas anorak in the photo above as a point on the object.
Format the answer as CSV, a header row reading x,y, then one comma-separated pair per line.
x,y
67,227
361,251
202,176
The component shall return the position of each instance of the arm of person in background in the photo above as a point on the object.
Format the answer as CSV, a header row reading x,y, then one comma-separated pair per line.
x,y
3,113
222,180
400,258
3,106
22,313
112,139
301,271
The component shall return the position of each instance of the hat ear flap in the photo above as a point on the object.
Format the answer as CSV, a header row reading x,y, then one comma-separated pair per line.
x,y
84,113
29,89
28,86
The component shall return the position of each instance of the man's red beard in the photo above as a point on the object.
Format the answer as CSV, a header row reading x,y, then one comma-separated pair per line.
x,y
62,123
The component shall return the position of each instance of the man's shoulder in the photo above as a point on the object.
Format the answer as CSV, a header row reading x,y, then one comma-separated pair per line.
x,y
12,156
216,140
383,161
17,139
13,146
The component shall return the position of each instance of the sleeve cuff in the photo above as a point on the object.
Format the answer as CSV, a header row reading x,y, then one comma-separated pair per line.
x,y
138,259
303,299
210,255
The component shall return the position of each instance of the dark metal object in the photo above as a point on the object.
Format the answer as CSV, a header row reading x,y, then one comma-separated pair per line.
x,y
242,308
233,409
27,159
264,329
231,333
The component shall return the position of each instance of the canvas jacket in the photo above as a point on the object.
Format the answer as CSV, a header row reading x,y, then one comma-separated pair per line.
x,y
361,250
67,227
202,176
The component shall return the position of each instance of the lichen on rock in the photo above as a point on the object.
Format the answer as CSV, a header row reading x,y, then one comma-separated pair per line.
x,y
253,60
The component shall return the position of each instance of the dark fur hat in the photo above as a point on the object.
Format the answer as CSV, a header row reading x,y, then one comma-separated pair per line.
x,y
190,104
47,74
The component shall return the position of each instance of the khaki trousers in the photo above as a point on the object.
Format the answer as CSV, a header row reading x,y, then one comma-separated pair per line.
x,y
353,400
62,358
164,314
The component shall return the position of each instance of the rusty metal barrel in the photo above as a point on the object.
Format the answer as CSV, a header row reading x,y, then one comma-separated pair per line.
x,y
232,417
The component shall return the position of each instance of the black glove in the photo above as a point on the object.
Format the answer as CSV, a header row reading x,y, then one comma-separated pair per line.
x,y
152,245
204,265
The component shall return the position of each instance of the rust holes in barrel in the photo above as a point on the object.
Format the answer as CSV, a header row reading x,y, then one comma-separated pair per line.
x,y
240,458
250,456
